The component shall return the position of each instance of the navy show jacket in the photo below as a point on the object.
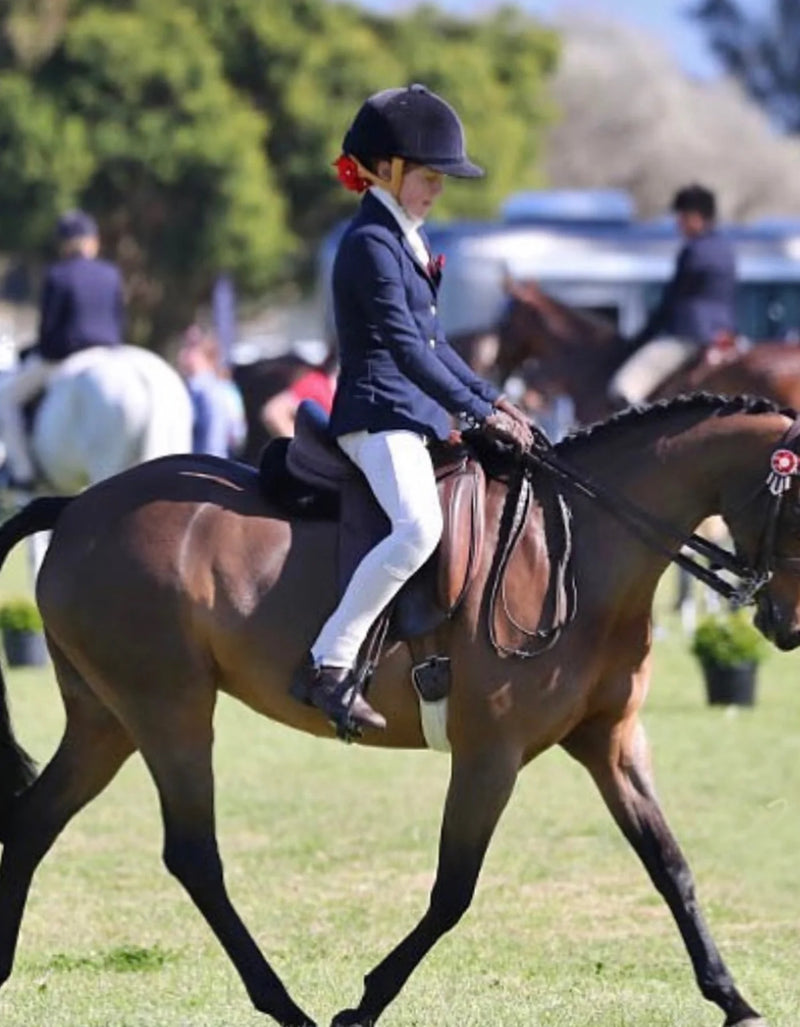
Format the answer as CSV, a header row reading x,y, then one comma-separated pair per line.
x,y
82,305
699,301
397,370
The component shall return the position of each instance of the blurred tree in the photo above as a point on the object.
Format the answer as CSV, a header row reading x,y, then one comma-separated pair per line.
x,y
202,132
761,50
130,114
631,119
311,63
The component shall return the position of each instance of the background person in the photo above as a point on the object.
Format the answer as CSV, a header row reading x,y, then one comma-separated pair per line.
x,y
82,306
317,382
219,425
696,308
399,380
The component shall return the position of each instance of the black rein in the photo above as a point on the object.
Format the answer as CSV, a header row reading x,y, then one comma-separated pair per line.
x,y
658,534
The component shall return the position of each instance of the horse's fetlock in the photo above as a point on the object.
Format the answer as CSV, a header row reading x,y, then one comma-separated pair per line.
x,y
196,867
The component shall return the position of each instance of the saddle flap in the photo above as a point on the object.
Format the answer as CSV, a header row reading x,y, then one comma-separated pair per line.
x,y
462,496
436,591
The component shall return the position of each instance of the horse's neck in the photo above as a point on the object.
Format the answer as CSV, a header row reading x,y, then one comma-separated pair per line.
x,y
680,477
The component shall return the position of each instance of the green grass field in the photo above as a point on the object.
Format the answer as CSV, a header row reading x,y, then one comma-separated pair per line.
x,y
329,853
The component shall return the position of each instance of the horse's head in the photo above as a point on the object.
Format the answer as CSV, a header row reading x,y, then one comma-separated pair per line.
x,y
766,531
778,603
531,327
574,348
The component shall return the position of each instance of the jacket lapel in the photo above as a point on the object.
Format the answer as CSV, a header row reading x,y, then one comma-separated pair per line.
x,y
374,210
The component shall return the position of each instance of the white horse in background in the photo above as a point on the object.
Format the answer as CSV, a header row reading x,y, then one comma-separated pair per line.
x,y
105,410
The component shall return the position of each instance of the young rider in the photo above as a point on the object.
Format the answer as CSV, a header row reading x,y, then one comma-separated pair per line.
x,y
399,380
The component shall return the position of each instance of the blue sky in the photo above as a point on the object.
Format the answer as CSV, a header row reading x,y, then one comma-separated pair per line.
x,y
663,18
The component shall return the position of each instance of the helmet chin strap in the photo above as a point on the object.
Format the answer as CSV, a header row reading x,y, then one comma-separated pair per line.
x,y
393,183
396,177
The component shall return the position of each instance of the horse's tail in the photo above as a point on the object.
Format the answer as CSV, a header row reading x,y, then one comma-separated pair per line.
x,y
17,769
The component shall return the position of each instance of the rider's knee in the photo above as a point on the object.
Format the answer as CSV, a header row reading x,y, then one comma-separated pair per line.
x,y
414,542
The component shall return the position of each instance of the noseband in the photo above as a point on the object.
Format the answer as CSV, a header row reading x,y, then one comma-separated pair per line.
x,y
663,537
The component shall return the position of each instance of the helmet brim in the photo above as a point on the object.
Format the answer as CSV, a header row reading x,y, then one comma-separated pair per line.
x,y
456,168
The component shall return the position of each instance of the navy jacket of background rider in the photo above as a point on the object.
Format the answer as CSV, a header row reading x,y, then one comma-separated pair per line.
x,y
700,301
397,371
82,305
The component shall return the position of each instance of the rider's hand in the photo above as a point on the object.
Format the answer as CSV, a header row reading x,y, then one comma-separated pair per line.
x,y
512,410
502,426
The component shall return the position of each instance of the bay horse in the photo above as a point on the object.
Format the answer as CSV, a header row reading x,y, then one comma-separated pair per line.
x,y
577,352
177,579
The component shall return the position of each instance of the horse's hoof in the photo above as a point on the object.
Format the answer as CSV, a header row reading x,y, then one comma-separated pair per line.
x,y
351,1018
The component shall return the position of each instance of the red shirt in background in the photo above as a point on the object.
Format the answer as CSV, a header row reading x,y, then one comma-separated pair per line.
x,y
314,385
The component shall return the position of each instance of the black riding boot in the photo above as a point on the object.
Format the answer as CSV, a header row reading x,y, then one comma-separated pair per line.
x,y
332,690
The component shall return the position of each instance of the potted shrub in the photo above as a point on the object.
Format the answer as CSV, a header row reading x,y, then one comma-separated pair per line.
x,y
729,648
23,635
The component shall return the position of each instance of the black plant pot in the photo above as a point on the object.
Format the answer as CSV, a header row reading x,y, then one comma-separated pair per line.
x,y
730,685
24,648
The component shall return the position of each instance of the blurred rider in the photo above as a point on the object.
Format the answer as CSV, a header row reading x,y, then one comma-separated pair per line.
x,y
697,307
82,306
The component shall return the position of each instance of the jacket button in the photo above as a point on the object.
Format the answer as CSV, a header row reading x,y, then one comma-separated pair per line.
x,y
433,308
432,343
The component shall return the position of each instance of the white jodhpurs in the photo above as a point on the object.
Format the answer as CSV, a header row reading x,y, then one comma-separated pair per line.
x,y
22,385
648,367
400,473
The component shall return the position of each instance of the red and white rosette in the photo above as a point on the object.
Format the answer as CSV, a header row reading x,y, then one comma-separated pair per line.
x,y
784,464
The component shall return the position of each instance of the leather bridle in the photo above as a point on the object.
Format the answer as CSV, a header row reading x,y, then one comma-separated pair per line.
x,y
666,539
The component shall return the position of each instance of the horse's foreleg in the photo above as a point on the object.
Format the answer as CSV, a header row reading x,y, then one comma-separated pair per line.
x,y
93,748
180,762
478,792
617,757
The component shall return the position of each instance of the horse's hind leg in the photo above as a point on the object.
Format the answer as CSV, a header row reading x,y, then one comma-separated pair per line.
x,y
479,790
179,757
617,756
94,746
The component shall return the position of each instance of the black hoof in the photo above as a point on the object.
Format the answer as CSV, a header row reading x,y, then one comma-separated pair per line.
x,y
352,1018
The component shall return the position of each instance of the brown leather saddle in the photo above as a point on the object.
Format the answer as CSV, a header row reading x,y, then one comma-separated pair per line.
x,y
309,476
532,594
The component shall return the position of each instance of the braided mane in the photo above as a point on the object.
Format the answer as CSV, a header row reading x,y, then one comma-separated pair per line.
x,y
720,406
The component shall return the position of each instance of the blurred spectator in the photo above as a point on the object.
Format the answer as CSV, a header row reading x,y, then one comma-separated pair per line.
x,y
219,426
317,383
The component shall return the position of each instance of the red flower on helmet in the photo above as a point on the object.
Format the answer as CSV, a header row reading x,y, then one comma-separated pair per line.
x,y
349,175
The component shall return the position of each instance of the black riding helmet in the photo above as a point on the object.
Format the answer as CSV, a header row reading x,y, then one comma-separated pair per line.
x,y
412,123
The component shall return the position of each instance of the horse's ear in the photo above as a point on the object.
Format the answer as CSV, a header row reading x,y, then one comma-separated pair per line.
x,y
533,293
523,292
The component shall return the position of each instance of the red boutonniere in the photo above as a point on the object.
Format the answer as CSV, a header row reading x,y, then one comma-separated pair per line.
x,y
436,267
347,170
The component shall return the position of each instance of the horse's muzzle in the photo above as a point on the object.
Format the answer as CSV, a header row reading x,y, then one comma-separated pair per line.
x,y
779,626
